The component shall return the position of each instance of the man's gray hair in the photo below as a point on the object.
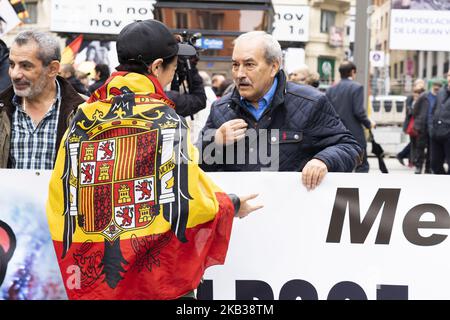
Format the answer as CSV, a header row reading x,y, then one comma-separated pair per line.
x,y
48,45
272,48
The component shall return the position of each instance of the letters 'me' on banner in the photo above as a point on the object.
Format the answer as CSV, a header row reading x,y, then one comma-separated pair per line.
x,y
428,21
380,237
28,265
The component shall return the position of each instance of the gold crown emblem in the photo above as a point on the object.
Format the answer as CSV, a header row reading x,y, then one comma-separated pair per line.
x,y
74,139
124,187
168,125
144,209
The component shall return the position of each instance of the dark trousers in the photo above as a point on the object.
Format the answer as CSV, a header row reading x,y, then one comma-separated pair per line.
x,y
405,152
420,146
440,153
364,167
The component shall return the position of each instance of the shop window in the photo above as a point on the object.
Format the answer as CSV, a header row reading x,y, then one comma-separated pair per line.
x,y
181,20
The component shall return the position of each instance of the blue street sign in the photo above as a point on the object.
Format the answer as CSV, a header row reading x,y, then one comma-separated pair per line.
x,y
209,43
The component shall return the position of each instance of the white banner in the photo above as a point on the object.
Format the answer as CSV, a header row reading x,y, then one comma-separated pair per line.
x,y
28,266
425,30
291,23
357,236
8,17
301,243
97,16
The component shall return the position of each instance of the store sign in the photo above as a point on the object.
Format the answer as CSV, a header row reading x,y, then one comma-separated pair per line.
x,y
97,16
420,25
326,69
211,44
377,59
336,37
291,23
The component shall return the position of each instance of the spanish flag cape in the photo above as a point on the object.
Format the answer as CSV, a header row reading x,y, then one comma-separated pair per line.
x,y
131,214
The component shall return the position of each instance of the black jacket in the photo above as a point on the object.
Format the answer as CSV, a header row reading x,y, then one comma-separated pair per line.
x,y
5,81
78,86
97,84
441,116
420,113
347,97
308,127
188,104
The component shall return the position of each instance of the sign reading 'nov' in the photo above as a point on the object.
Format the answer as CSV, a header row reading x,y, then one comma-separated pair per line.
x,y
291,23
98,16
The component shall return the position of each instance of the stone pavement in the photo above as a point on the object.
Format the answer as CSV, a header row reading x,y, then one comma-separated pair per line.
x,y
392,164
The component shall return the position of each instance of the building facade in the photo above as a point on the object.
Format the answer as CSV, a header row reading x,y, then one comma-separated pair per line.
x,y
217,24
316,32
401,67
330,35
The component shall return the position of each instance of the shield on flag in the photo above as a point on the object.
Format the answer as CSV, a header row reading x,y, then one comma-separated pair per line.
x,y
117,189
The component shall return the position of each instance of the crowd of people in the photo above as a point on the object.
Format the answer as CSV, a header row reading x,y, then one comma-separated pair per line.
x,y
133,125
427,123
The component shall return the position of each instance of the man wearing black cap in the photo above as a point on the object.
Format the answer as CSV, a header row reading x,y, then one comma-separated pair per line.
x,y
132,199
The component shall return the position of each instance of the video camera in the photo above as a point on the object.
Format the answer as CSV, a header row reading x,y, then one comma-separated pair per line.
x,y
185,62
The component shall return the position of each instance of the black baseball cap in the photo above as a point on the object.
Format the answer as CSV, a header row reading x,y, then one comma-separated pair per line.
x,y
147,40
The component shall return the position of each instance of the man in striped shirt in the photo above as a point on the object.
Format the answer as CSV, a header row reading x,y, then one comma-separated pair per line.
x,y
35,109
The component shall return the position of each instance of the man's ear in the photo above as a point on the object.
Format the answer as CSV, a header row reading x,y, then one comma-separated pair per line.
x,y
155,68
275,68
53,68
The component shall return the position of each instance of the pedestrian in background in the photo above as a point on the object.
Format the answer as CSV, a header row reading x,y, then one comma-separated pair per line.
x,y
101,75
407,152
440,131
347,97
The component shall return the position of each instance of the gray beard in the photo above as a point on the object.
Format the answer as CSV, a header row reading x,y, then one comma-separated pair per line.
x,y
33,90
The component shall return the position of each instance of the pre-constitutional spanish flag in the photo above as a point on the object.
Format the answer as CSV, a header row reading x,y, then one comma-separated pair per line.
x,y
70,51
131,214
20,9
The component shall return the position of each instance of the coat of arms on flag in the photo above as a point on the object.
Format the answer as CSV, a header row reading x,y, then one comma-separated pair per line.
x,y
129,208
116,192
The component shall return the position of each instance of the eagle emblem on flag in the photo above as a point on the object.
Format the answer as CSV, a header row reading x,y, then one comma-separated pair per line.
x,y
112,183
131,214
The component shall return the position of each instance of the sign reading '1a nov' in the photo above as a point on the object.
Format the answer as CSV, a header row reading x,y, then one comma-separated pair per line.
x,y
98,16
291,23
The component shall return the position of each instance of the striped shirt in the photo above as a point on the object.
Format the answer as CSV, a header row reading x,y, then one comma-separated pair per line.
x,y
33,147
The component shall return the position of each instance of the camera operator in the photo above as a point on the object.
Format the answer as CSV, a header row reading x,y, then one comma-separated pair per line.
x,y
187,91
